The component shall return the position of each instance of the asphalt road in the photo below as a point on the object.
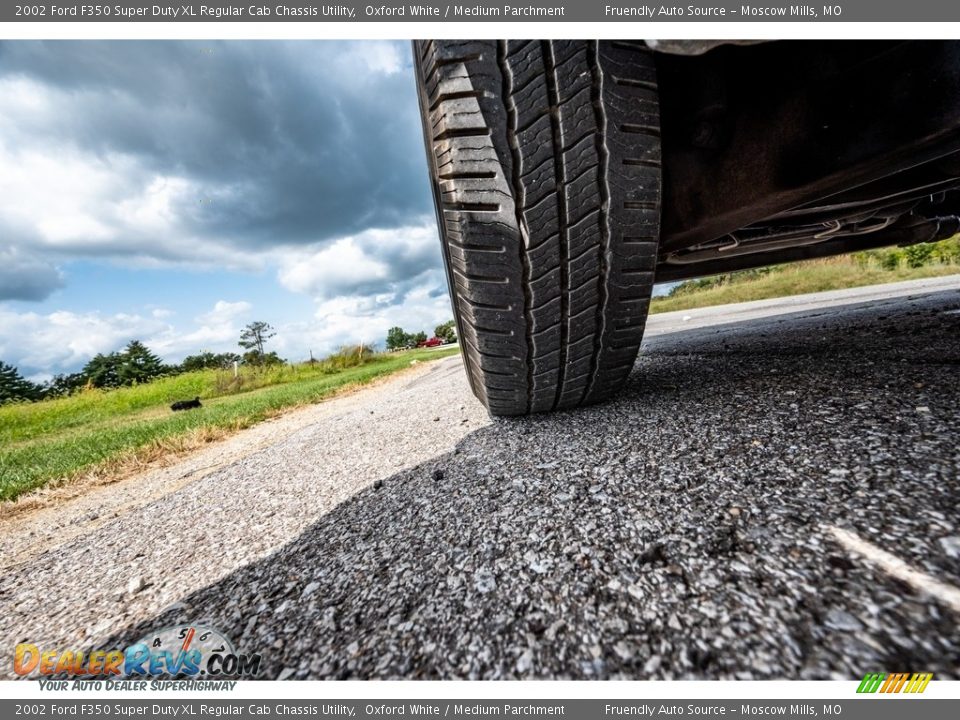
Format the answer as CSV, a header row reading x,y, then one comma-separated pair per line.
x,y
773,495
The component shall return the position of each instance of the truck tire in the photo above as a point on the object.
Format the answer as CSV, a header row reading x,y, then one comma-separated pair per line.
x,y
545,162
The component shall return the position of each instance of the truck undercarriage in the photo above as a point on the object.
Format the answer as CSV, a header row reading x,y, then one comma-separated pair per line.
x,y
793,150
570,176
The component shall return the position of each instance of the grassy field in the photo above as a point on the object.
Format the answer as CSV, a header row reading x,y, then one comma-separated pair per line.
x,y
844,271
107,432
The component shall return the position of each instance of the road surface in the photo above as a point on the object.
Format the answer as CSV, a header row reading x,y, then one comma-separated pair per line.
x,y
775,494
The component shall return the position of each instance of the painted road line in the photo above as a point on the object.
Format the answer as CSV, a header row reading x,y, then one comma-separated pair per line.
x,y
897,568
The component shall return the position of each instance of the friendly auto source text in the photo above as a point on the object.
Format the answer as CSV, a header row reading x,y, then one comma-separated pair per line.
x,y
652,11
712,710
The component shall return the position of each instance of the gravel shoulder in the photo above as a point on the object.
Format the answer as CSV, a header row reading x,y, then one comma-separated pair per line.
x,y
716,520
138,545
47,518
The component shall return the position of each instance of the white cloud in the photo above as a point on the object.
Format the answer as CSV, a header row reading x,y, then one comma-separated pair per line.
x,y
272,159
217,331
67,203
348,320
224,312
382,57
63,340
174,345
44,344
135,152
374,261
362,285
341,264
56,193
62,201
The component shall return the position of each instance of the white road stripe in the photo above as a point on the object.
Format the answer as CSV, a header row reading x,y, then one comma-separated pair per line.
x,y
897,568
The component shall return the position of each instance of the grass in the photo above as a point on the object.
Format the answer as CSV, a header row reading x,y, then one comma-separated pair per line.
x,y
845,271
105,432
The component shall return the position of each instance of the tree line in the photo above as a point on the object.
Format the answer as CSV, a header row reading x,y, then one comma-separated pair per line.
x,y
398,338
136,364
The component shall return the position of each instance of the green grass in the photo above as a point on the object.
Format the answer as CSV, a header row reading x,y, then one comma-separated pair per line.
x,y
104,431
845,271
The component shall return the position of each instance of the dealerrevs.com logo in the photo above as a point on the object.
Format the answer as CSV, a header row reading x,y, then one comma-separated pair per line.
x,y
181,650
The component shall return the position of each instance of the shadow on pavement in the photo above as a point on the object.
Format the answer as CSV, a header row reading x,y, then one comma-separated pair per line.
x,y
676,532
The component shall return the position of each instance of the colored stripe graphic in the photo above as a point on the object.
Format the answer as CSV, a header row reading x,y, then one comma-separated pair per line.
x,y
870,683
894,682
918,683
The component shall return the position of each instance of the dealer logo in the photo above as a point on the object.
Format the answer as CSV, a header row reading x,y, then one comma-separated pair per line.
x,y
180,650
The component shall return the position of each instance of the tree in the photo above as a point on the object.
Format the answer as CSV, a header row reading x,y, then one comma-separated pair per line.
x,y
14,387
397,339
262,359
253,338
225,360
209,361
138,364
420,337
447,331
64,384
103,371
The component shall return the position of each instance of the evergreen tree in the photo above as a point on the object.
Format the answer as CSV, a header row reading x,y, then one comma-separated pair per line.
x,y
14,387
138,364
64,384
103,371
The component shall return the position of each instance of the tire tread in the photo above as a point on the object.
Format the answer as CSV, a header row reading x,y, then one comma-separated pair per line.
x,y
546,165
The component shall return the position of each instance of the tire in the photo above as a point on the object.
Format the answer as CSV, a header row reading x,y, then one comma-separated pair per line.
x,y
545,162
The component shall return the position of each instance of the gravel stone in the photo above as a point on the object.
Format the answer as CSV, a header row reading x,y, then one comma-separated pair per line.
x,y
951,546
592,544
841,620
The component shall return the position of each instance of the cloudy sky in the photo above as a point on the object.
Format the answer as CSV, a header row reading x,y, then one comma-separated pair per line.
x,y
174,191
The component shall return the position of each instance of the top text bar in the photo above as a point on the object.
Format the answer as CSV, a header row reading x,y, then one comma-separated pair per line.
x,y
482,11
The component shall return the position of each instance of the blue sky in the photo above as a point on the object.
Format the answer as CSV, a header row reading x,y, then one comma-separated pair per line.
x,y
174,191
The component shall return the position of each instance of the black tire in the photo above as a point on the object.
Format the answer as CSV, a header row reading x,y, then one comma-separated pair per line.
x,y
545,160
